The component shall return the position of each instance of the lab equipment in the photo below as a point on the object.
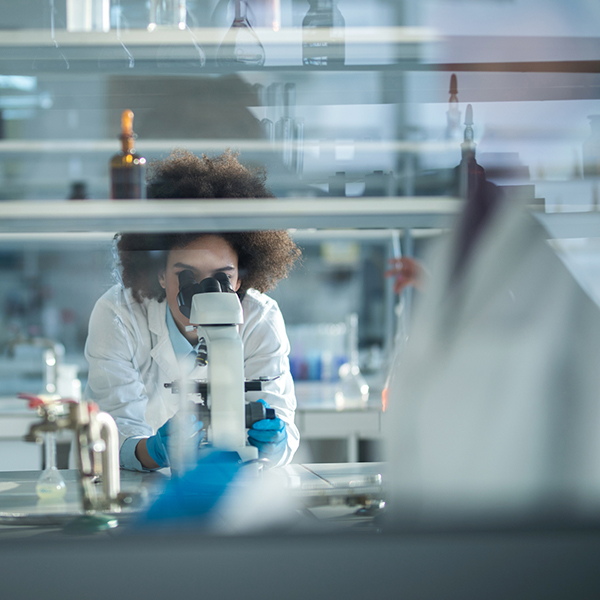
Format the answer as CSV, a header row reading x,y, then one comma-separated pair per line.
x,y
453,112
51,486
591,149
167,13
284,127
352,390
127,169
323,35
241,46
317,351
269,436
215,312
51,357
96,440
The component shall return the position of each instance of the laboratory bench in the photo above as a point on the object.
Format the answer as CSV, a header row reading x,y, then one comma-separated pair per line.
x,y
383,561
320,419
340,494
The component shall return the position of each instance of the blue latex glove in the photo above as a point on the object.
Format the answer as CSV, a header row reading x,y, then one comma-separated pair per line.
x,y
194,495
158,444
269,436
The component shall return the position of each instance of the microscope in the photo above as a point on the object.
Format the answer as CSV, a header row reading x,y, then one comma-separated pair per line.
x,y
215,311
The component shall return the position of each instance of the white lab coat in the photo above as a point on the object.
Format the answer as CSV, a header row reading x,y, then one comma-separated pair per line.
x,y
131,357
494,405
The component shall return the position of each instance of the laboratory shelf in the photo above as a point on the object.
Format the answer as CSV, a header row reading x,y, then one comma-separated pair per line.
x,y
570,225
226,215
107,146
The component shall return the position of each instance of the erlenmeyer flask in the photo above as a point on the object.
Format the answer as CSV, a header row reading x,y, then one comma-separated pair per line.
x,y
241,45
352,391
50,486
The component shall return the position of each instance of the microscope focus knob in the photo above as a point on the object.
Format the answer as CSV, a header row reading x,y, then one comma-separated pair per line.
x,y
256,411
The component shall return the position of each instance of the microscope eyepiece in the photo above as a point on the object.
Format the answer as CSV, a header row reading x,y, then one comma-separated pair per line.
x,y
224,281
187,289
210,284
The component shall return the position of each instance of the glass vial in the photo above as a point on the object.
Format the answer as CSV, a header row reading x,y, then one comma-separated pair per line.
x,y
88,15
323,37
241,45
591,149
127,169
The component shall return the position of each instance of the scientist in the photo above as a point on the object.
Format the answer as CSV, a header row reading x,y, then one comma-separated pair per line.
x,y
137,338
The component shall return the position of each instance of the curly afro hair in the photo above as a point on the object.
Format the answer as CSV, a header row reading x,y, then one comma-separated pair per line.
x,y
264,257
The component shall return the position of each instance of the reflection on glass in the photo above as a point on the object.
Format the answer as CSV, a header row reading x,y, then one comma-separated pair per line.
x,y
323,37
241,45
50,486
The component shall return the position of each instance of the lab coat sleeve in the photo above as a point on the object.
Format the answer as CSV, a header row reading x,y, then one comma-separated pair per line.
x,y
114,381
266,349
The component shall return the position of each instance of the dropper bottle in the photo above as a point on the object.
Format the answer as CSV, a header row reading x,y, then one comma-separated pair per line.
x,y
127,169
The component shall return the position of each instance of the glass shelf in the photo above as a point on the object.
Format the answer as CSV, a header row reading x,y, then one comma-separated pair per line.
x,y
226,215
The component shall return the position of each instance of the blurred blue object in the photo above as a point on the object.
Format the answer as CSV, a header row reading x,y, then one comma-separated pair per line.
x,y
158,444
269,436
193,495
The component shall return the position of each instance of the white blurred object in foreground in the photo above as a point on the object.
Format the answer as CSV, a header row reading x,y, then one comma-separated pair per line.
x,y
494,407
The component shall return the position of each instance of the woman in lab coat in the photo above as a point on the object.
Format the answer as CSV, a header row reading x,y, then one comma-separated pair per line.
x,y
137,338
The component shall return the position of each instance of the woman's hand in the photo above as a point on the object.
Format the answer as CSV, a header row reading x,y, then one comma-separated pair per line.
x,y
406,271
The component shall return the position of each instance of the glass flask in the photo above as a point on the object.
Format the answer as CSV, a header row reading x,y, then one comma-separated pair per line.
x,y
167,13
352,390
50,486
241,45
323,37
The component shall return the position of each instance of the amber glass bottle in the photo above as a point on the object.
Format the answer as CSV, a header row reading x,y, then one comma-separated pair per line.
x,y
127,169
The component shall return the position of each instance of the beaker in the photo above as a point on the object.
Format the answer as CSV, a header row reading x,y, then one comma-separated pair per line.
x,y
50,486
241,45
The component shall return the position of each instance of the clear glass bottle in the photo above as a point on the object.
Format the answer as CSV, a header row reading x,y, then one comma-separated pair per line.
x,y
323,36
241,45
88,15
591,149
127,169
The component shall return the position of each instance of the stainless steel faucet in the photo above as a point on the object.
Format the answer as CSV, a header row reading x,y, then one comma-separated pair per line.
x,y
97,442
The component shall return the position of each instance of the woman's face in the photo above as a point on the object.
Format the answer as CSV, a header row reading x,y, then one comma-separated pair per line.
x,y
204,257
